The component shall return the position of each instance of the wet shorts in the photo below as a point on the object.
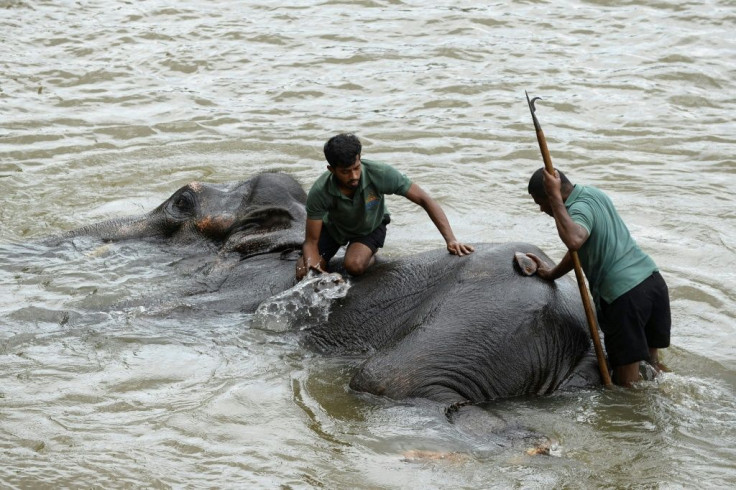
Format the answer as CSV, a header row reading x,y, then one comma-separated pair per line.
x,y
636,321
328,247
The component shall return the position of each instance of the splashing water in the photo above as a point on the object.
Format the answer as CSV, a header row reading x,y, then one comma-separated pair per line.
x,y
303,305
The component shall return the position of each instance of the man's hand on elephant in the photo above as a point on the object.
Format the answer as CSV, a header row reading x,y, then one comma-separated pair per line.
x,y
302,270
543,269
460,249
317,269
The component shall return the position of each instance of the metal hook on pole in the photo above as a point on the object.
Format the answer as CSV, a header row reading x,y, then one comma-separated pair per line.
x,y
533,110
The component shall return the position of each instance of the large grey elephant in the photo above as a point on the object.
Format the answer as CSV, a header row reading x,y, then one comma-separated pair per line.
x,y
430,325
456,329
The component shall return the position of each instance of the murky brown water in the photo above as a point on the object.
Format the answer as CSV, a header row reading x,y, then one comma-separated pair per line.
x,y
108,107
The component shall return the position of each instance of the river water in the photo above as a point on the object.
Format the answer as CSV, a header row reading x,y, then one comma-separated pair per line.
x,y
108,107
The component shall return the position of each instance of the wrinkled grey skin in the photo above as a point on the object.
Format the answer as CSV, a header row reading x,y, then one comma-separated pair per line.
x,y
455,329
432,325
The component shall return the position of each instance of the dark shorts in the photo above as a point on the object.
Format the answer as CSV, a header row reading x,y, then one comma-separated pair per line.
x,y
636,321
328,247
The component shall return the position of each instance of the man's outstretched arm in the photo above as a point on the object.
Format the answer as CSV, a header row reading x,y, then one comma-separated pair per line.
x,y
418,196
545,271
310,251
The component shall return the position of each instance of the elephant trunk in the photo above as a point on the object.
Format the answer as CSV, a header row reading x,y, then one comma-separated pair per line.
x,y
147,225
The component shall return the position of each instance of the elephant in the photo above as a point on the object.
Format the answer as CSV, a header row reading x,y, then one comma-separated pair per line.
x,y
460,329
431,325
242,236
264,214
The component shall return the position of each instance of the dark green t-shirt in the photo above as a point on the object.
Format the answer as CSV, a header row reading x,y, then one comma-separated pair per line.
x,y
346,218
611,259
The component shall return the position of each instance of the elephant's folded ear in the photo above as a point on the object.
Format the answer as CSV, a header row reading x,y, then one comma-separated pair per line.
x,y
524,264
287,242
266,229
291,254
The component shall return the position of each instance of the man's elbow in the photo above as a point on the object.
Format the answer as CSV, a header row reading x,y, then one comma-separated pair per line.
x,y
427,203
575,243
573,246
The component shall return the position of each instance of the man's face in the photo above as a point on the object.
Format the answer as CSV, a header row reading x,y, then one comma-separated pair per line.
x,y
543,204
347,177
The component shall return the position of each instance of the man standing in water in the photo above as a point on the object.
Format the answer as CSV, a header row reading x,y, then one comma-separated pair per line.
x,y
346,205
631,298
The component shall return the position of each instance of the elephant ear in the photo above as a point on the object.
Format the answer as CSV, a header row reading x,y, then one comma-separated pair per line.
x,y
266,229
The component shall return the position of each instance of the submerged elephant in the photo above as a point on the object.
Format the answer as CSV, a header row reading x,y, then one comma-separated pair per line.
x,y
431,325
241,236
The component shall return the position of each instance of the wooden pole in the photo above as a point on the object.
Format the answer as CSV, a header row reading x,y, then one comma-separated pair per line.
x,y
589,313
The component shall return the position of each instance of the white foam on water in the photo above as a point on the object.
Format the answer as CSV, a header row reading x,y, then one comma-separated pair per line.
x,y
302,305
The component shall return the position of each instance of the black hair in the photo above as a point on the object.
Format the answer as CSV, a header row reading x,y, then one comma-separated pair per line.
x,y
536,182
341,150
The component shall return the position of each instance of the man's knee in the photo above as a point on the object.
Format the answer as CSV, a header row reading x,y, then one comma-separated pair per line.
x,y
357,264
358,258
356,267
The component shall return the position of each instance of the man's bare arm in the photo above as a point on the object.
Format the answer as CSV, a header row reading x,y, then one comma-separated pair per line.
x,y
572,234
545,271
418,196
310,250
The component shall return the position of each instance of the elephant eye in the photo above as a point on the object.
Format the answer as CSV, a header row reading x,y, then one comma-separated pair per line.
x,y
184,203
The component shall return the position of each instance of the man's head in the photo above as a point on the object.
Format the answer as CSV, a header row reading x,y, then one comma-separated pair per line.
x,y
342,150
343,156
536,189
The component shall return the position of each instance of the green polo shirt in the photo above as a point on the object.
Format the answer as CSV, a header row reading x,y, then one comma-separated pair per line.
x,y
611,259
346,218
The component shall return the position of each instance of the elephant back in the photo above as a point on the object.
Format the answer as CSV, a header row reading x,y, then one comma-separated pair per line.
x,y
459,328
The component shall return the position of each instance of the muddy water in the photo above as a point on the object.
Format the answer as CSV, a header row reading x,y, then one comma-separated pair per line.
x,y
107,108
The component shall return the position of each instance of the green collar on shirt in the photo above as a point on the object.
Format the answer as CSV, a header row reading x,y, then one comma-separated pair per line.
x,y
576,190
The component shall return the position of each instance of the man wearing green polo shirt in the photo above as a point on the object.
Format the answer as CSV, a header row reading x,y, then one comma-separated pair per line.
x,y
346,206
631,297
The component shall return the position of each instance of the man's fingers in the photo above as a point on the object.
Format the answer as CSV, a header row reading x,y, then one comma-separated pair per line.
x,y
460,249
536,259
467,249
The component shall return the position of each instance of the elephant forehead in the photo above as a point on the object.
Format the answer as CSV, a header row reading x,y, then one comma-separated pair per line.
x,y
239,188
264,189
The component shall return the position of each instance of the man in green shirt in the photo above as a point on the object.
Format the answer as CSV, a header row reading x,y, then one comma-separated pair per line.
x,y
631,298
346,205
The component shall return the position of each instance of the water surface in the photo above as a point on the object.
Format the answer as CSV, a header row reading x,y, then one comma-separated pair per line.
x,y
107,108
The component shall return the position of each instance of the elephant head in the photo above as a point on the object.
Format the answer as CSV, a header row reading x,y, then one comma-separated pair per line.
x,y
260,215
